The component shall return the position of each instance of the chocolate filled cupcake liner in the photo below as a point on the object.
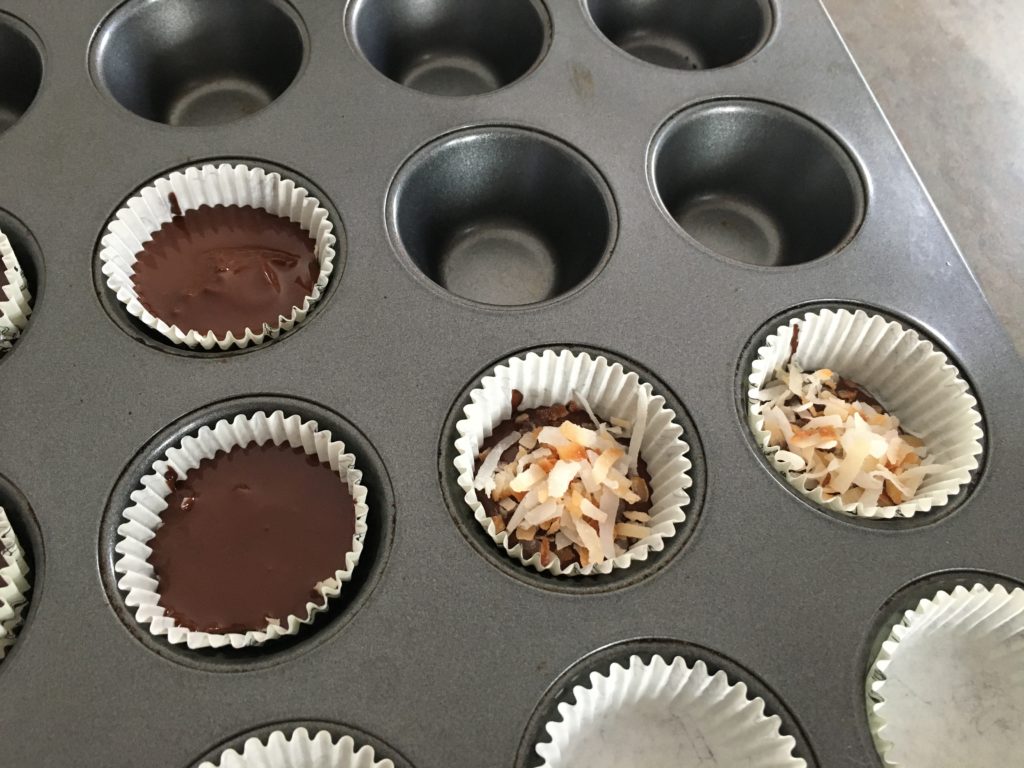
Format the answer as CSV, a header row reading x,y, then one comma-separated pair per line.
x,y
14,584
15,299
947,687
551,378
143,215
142,519
912,379
664,714
300,749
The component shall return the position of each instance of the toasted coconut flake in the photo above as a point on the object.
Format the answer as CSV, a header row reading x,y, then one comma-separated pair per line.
x,y
639,485
605,462
553,436
792,460
540,514
593,512
528,478
566,484
588,438
838,436
592,542
893,492
485,475
631,531
572,452
560,476
639,427
579,398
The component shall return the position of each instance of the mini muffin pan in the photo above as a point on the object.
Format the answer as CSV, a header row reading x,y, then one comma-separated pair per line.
x,y
663,183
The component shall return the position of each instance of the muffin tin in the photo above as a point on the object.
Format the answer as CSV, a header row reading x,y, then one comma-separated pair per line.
x,y
441,654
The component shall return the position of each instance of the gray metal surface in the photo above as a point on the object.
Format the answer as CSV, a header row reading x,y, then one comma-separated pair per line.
x,y
448,657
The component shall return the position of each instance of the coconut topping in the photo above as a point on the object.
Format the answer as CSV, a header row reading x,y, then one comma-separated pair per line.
x,y
564,484
836,435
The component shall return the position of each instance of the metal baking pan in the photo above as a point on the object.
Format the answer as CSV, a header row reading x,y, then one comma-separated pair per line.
x,y
445,653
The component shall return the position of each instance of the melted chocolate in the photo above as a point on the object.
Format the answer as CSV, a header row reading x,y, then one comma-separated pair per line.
x,y
247,536
225,268
526,421
851,392
3,280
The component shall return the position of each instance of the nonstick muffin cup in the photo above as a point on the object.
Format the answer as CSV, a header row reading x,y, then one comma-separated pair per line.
x,y
947,687
223,185
142,520
664,713
15,298
911,377
299,748
14,584
550,378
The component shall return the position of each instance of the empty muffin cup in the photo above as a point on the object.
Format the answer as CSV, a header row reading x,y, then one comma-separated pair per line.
x,y
14,584
240,252
22,65
450,47
684,34
195,63
855,459
947,687
299,748
756,183
632,472
464,214
232,560
665,713
15,298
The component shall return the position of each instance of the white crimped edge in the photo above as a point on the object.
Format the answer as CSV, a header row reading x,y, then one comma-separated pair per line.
x,y
913,379
967,710
300,749
662,714
13,594
145,213
15,298
549,378
142,519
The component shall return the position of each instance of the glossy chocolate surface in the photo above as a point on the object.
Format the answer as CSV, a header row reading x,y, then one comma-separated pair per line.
x,y
247,536
226,268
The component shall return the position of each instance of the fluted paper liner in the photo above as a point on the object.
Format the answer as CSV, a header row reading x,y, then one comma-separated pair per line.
x,y
15,584
143,215
551,378
15,298
913,379
665,714
142,519
947,687
301,751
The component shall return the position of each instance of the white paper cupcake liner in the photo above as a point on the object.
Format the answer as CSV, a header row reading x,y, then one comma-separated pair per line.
x,y
13,593
142,520
301,751
144,215
551,378
913,379
15,299
947,687
661,714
